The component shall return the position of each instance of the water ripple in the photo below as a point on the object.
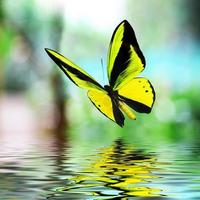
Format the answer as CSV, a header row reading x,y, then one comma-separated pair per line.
x,y
116,171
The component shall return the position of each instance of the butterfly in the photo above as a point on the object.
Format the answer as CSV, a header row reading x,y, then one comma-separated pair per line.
x,y
126,92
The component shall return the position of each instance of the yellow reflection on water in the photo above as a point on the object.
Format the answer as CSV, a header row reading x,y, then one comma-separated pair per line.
x,y
118,170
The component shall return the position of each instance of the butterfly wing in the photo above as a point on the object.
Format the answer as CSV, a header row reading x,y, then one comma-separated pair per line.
x,y
138,94
96,93
125,59
77,75
106,105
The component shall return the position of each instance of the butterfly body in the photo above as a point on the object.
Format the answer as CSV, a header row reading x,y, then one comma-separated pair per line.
x,y
125,91
113,94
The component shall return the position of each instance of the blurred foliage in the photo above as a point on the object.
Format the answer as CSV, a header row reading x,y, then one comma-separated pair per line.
x,y
174,119
193,7
27,27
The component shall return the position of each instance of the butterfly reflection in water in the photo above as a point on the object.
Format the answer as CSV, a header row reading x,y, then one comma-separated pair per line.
x,y
125,91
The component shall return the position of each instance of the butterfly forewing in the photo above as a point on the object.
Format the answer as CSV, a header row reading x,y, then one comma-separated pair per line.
x,y
74,73
125,59
138,94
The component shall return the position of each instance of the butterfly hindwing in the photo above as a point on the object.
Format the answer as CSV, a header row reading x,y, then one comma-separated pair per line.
x,y
125,59
138,94
106,105
77,75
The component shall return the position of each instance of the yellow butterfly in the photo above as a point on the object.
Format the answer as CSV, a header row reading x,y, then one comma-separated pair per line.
x,y
125,90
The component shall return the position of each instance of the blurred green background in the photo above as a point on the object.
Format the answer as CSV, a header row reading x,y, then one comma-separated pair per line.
x,y
36,96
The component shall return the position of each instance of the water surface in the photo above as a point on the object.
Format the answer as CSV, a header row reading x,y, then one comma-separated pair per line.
x,y
62,168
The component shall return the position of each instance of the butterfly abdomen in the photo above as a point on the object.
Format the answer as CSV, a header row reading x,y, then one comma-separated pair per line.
x,y
114,95
127,110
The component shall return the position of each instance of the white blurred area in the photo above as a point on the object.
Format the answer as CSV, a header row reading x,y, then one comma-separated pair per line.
x,y
99,15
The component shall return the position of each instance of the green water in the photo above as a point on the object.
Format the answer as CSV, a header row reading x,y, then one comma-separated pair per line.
x,y
65,168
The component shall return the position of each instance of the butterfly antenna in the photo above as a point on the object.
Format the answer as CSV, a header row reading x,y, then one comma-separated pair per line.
x,y
102,70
